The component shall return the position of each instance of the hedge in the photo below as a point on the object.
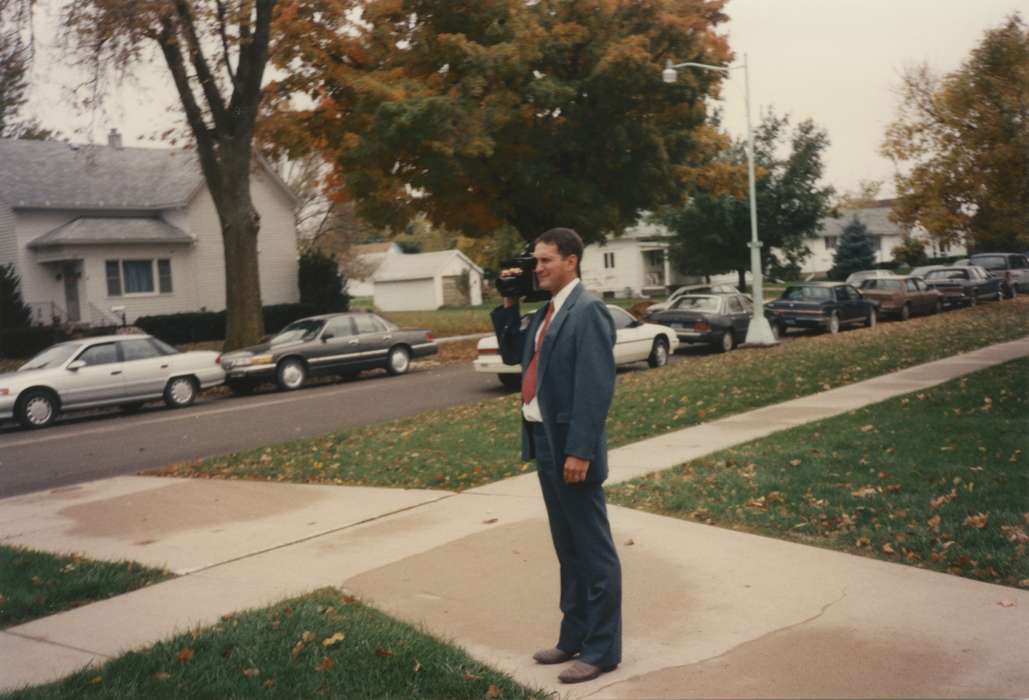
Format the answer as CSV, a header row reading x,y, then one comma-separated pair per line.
x,y
26,342
200,326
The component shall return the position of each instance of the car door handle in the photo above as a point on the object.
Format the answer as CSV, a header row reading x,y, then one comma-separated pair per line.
x,y
387,337
164,366
353,342
117,371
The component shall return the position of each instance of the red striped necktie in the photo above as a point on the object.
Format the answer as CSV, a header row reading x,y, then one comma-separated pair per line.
x,y
529,378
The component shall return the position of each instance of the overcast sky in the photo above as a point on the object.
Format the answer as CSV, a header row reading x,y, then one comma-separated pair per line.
x,y
835,61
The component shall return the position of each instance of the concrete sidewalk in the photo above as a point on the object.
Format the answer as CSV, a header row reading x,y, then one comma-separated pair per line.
x,y
708,612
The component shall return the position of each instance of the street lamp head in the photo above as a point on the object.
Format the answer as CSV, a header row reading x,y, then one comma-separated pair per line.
x,y
669,74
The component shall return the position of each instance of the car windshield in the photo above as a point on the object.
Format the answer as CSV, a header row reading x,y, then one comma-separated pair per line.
x,y
163,347
305,329
991,262
696,304
53,356
921,271
806,294
882,284
947,275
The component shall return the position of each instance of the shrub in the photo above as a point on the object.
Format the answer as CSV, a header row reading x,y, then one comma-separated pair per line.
x,y
321,283
199,326
14,313
855,251
26,342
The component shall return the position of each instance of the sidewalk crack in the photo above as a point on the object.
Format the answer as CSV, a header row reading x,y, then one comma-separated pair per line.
x,y
42,640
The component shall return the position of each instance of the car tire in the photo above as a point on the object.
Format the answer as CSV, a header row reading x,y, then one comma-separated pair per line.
x,y
999,296
291,374
938,308
658,353
834,323
180,392
36,408
511,381
398,361
241,388
905,312
973,300
872,318
726,343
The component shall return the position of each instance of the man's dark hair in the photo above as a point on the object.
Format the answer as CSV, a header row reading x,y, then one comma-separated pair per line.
x,y
567,243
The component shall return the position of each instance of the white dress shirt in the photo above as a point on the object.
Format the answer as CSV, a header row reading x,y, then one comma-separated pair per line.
x,y
531,410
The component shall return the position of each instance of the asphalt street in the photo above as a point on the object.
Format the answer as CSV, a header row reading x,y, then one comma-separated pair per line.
x,y
86,446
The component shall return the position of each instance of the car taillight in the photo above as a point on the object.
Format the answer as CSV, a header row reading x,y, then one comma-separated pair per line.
x,y
218,360
702,325
429,336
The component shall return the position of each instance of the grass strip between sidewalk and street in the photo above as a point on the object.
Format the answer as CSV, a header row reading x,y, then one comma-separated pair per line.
x,y
36,584
936,479
321,644
471,445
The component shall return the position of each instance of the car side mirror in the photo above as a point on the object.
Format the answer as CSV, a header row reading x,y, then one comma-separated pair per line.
x,y
76,365
326,337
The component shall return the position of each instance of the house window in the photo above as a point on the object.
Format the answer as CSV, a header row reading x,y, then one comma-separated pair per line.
x,y
138,277
830,242
609,260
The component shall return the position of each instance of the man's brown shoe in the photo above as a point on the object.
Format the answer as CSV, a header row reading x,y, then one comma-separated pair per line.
x,y
552,656
580,672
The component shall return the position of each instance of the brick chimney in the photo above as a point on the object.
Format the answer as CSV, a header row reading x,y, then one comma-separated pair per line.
x,y
114,139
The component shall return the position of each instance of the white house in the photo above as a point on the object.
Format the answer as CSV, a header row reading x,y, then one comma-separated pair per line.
x,y
634,264
886,235
363,261
427,281
97,231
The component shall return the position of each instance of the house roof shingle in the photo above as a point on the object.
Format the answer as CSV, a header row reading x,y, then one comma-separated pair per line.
x,y
418,266
57,175
106,231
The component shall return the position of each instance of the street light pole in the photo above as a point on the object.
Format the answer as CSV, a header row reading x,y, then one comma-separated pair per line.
x,y
759,331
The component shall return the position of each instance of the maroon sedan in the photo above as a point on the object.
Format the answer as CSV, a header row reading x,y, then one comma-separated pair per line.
x,y
902,296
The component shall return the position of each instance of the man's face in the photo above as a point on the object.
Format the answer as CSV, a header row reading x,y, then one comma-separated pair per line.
x,y
552,271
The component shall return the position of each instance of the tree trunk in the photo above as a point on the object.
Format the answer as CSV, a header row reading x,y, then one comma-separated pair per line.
x,y
240,225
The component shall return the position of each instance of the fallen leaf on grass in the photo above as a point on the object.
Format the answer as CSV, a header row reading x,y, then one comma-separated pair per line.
x,y
269,684
471,677
417,666
162,675
888,548
493,692
865,491
333,640
978,521
185,654
862,541
383,652
934,523
1014,533
794,462
324,665
251,672
96,680
867,428
946,498
297,648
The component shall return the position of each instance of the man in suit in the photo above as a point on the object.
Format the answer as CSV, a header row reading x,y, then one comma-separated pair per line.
x,y
567,354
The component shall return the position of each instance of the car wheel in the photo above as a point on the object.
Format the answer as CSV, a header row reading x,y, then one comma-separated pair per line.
x,y
398,361
999,296
727,342
241,388
872,317
180,392
973,300
905,312
36,409
834,323
291,374
511,381
659,353
131,407
938,308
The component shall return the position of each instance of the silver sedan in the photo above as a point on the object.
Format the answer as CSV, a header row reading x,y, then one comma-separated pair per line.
x,y
113,370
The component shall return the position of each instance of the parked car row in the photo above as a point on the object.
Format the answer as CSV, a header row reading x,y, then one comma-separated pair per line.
x,y
129,370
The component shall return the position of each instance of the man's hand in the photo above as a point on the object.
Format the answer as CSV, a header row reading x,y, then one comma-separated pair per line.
x,y
575,469
510,272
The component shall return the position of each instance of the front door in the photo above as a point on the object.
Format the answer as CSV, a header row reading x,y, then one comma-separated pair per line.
x,y
70,274
100,379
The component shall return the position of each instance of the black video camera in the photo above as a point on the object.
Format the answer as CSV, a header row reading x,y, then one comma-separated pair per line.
x,y
523,285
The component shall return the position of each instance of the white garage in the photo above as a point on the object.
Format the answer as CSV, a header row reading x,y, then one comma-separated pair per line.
x,y
425,281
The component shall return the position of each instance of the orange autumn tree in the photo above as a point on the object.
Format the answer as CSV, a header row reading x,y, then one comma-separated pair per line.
x,y
498,113
963,143
216,52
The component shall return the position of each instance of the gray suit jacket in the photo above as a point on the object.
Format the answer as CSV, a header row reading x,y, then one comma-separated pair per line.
x,y
575,375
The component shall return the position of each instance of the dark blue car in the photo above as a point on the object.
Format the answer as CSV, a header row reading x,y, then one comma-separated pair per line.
x,y
826,305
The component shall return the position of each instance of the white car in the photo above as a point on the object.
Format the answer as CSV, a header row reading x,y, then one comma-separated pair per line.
x,y
113,370
635,341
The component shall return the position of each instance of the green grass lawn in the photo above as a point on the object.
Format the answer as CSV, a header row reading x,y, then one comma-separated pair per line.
x,y
324,644
470,445
36,584
936,479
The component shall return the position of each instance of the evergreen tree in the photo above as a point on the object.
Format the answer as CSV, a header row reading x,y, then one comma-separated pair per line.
x,y
854,252
13,311
321,282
